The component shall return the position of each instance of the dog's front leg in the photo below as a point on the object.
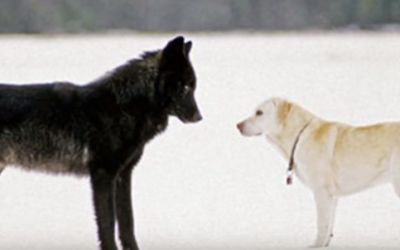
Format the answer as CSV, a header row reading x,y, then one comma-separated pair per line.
x,y
326,206
103,185
332,219
125,210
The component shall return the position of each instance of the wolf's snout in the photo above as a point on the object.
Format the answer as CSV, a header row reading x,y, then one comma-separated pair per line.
x,y
197,117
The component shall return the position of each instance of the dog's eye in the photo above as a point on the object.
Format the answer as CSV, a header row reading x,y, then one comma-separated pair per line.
x,y
259,112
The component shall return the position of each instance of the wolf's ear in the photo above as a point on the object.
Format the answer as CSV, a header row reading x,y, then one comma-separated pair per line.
x,y
188,48
174,48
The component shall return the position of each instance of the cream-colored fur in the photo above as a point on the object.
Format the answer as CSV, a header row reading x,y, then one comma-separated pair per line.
x,y
332,159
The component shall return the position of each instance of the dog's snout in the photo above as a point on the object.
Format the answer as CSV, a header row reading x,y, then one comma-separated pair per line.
x,y
240,126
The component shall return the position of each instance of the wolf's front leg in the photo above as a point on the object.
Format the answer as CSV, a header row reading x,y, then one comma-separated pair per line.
x,y
125,210
103,184
326,206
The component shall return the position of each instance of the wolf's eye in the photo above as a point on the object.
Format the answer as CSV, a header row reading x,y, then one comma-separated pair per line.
x,y
186,89
259,112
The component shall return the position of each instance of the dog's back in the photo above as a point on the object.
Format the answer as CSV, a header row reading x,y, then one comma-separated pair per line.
x,y
365,152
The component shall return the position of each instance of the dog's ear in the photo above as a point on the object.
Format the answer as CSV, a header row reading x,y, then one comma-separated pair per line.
x,y
283,111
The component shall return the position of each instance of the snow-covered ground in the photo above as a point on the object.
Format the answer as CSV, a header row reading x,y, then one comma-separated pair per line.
x,y
204,186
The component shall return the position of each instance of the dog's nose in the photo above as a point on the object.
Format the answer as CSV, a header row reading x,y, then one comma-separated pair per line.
x,y
240,126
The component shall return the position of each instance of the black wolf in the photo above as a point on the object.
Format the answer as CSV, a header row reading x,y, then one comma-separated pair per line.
x,y
99,129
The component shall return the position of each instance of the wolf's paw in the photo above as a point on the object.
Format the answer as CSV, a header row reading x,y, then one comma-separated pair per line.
x,y
131,248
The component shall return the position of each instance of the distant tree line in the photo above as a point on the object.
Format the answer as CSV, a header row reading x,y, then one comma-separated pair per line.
x,y
47,16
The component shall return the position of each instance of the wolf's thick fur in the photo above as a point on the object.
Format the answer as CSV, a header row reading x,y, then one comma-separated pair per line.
x,y
99,129
332,159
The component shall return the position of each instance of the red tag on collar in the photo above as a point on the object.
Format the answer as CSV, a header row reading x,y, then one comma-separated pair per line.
x,y
289,180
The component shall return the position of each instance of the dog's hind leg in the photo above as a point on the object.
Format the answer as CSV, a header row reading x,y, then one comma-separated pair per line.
x,y
326,206
396,185
395,172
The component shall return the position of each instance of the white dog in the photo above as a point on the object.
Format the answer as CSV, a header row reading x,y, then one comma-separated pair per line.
x,y
332,159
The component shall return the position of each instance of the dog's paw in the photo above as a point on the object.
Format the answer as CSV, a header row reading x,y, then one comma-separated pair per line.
x,y
316,246
322,241
319,244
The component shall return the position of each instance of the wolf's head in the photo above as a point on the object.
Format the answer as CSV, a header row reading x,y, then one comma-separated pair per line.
x,y
177,81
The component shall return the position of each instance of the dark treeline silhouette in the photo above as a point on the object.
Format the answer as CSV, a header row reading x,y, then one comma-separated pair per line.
x,y
47,16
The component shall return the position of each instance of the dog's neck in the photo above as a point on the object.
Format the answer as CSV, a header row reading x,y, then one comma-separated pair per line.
x,y
290,130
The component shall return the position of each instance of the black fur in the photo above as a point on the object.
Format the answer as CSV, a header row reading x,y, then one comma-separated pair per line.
x,y
99,129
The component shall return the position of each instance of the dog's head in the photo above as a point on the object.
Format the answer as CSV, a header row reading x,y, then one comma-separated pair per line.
x,y
268,118
177,81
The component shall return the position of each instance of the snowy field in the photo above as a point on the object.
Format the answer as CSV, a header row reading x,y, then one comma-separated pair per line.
x,y
204,186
